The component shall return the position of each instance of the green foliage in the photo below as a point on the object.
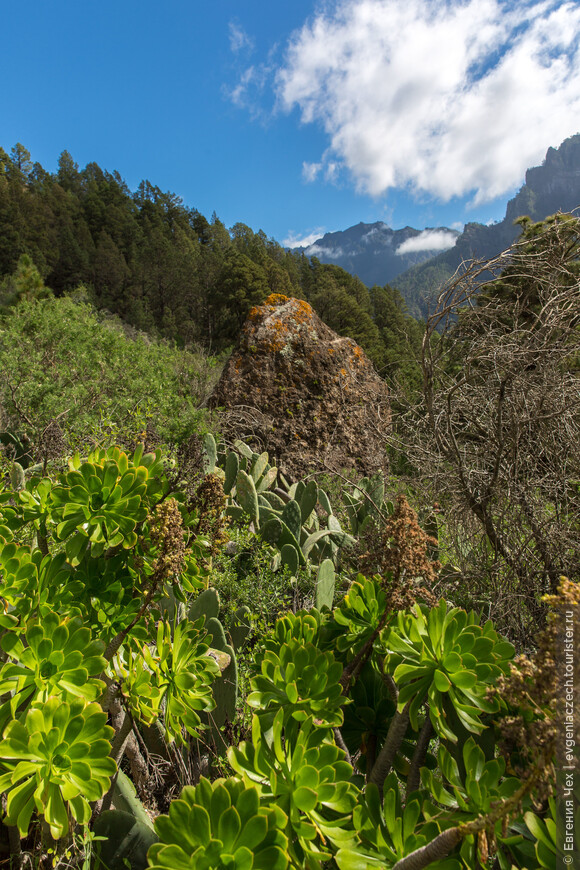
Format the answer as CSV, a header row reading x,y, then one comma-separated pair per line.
x,y
358,614
80,632
54,655
442,653
325,583
55,761
220,824
365,502
300,680
101,503
346,701
388,831
545,833
25,284
123,841
287,518
181,678
166,269
307,777
75,379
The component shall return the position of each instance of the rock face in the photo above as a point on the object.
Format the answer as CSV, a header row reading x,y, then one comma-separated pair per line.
x,y
310,398
553,186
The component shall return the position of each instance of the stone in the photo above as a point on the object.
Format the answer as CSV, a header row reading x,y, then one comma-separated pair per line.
x,y
309,397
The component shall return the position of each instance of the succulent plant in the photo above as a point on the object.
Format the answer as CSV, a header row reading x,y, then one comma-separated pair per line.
x,y
286,518
444,652
55,761
389,832
325,582
54,655
301,771
545,832
182,672
206,604
240,627
101,501
220,825
122,841
17,478
302,681
358,614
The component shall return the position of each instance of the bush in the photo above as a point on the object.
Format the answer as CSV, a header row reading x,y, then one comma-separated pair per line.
x,y
73,379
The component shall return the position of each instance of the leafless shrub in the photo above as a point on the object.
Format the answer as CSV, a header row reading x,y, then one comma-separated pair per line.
x,y
497,432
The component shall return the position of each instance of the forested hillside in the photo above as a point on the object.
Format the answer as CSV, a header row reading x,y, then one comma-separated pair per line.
x,y
166,269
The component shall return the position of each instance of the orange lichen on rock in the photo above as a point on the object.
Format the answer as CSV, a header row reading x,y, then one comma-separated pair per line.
x,y
276,299
287,358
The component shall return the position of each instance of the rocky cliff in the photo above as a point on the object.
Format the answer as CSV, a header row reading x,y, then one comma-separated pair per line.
x,y
310,398
554,186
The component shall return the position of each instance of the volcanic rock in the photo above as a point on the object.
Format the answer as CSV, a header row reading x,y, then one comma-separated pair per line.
x,y
310,398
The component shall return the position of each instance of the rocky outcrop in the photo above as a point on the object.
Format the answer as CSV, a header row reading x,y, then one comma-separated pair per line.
x,y
310,398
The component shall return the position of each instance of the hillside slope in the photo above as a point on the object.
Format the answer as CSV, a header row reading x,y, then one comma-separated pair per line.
x,y
553,186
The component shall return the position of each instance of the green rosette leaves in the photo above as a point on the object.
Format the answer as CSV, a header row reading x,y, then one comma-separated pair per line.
x,y
54,655
55,761
443,653
302,681
300,770
100,502
219,825
180,682
388,832
359,614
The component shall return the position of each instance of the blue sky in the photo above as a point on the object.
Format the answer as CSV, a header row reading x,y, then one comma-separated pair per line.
x,y
303,117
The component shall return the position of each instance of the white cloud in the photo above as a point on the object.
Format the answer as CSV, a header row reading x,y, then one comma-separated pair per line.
x,y
321,251
310,171
239,39
295,241
246,94
447,97
239,94
373,233
428,240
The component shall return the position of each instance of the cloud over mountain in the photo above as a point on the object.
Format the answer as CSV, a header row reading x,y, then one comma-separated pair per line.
x,y
428,240
442,97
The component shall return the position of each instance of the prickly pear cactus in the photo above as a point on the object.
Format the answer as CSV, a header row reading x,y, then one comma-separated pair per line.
x,y
206,604
240,627
210,453
325,583
247,496
290,557
232,467
225,693
292,516
17,479
309,500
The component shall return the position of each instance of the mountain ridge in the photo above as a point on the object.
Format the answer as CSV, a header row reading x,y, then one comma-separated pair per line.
x,y
371,251
553,186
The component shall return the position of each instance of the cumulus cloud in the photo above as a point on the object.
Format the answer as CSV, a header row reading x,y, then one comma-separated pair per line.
x,y
294,241
428,240
445,97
